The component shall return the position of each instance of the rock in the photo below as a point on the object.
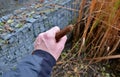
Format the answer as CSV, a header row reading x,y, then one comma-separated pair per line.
x,y
23,8
44,16
6,36
42,28
13,24
30,20
32,6
18,11
6,17
36,16
38,9
2,20
11,39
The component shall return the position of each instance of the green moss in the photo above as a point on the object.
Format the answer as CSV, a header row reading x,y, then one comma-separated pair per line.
x,y
1,23
10,21
19,25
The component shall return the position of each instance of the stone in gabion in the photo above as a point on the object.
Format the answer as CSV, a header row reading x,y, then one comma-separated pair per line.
x,y
23,8
2,64
30,20
6,36
44,16
12,39
2,20
38,9
42,27
36,16
7,17
36,29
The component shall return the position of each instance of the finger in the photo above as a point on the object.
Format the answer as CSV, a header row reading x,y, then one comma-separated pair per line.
x,y
63,40
38,39
53,31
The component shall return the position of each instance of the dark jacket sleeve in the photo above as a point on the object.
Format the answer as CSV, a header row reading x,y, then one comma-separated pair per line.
x,y
39,64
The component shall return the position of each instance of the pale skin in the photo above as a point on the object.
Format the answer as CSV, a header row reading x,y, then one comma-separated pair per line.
x,y
46,41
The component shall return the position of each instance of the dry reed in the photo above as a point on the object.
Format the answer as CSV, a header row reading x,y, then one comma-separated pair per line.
x,y
101,36
95,38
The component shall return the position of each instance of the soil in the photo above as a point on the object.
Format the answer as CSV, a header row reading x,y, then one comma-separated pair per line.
x,y
72,65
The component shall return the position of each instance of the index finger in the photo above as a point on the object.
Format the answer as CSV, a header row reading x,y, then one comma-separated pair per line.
x,y
53,30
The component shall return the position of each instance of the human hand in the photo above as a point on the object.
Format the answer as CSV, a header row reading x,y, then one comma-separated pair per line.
x,y
46,41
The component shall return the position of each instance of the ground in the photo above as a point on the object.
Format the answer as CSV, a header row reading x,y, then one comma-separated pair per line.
x,y
72,65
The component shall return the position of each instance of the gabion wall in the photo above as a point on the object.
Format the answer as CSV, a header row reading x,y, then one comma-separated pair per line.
x,y
25,24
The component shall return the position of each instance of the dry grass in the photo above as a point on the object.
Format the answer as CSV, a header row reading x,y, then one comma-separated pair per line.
x,y
96,38
101,35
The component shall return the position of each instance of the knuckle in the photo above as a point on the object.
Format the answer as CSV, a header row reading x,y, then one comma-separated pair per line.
x,y
48,35
41,34
57,28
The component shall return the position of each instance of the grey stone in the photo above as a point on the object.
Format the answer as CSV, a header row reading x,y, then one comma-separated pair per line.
x,y
1,73
4,52
29,49
13,24
12,39
42,28
38,9
4,47
2,64
36,29
19,35
36,16
23,8
28,35
23,50
17,12
44,17
6,17
28,45
47,24
30,20
2,20
6,36
62,13
32,6
28,25
54,21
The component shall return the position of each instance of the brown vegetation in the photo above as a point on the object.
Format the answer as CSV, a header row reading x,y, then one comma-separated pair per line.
x,y
101,37
96,38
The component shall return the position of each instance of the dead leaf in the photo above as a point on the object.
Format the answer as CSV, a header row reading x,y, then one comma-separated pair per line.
x,y
8,28
75,70
41,1
38,5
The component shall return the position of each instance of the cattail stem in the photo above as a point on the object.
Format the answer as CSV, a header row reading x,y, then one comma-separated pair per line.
x,y
63,32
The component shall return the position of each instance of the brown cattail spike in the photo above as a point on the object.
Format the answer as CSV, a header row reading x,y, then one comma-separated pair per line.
x,y
63,32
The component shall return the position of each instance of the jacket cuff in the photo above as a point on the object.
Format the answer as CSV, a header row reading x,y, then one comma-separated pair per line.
x,y
47,56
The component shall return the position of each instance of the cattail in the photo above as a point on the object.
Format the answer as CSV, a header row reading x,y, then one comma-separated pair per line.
x,y
63,32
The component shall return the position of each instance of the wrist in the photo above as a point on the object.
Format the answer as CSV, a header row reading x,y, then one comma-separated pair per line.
x,y
44,54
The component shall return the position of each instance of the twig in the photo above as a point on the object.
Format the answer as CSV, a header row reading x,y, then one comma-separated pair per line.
x,y
105,57
54,5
